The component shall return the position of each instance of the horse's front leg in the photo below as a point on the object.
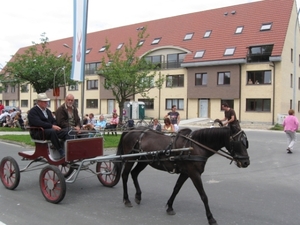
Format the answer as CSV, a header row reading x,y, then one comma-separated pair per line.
x,y
125,174
197,181
180,181
134,174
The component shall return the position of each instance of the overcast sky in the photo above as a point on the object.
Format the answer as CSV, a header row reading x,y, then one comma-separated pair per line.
x,y
23,21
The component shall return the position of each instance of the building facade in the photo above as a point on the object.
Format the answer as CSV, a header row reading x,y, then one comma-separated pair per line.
x,y
247,55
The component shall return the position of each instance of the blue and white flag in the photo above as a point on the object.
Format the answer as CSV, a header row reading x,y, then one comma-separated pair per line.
x,y
79,39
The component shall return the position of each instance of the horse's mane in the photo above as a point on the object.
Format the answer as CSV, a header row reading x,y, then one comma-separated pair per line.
x,y
213,137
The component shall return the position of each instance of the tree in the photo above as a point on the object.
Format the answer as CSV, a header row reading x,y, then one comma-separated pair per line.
x,y
39,67
126,74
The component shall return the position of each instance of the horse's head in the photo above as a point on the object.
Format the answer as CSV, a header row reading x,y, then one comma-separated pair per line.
x,y
238,149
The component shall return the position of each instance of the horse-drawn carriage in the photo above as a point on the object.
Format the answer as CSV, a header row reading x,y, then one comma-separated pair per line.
x,y
184,153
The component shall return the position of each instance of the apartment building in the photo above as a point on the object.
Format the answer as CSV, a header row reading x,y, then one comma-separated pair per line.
x,y
247,55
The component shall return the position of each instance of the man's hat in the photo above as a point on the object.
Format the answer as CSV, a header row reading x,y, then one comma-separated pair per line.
x,y
42,97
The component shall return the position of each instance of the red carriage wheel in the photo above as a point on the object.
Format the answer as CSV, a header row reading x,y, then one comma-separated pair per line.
x,y
52,184
66,169
9,172
107,176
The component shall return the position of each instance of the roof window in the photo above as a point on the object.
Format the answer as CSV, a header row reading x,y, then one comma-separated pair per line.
x,y
199,54
88,51
229,51
266,26
120,46
207,34
188,36
141,42
155,41
239,30
102,49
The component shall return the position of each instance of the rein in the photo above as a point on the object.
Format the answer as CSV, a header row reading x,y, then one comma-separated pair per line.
x,y
226,155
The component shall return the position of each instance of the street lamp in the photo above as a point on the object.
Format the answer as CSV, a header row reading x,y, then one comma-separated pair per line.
x,y
56,94
295,66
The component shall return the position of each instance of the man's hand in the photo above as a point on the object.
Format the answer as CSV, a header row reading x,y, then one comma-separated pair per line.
x,y
55,127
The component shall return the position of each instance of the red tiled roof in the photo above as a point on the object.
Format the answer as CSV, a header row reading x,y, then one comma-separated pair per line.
x,y
172,31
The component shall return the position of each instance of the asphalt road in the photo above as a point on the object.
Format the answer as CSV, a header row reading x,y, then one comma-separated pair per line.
x,y
265,193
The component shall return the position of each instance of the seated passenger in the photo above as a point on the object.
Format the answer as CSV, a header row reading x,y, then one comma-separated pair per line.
x,y
156,126
168,127
41,116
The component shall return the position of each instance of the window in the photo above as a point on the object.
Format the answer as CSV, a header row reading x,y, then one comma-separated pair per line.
x,y
199,54
239,30
75,103
24,103
102,49
229,51
230,102
6,89
92,84
174,60
200,79
12,89
175,81
88,51
259,77
92,103
73,87
259,53
155,41
141,43
149,103
188,36
120,46
24,88
258,105
156,60
291,80
266,26
292,55
223,78
207,34
59,55
178,102
91,68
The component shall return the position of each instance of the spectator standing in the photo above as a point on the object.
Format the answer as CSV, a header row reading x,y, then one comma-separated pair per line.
x,y
290,125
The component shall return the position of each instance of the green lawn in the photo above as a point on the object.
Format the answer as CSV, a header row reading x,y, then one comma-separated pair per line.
x,y
110,141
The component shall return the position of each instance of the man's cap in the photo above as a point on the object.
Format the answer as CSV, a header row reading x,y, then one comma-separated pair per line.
x,y
42,97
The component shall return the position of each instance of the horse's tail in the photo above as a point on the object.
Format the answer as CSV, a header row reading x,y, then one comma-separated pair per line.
x,y
118,165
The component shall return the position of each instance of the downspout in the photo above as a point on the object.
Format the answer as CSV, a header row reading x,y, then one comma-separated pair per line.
x,y
273,102
240,94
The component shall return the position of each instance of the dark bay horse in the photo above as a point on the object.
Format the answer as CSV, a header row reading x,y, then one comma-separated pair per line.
x,y
188,164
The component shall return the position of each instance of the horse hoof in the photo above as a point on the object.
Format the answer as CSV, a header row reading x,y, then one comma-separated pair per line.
x,y
127,204
171,212
212,222
137,201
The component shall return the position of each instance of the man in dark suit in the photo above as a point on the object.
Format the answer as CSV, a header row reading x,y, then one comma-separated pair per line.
x,y
41,116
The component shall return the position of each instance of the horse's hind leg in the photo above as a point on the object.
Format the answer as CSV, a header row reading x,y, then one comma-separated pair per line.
x,y
196,178
127,168
180,181
134,174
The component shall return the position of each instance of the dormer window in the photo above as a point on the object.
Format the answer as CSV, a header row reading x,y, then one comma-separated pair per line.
x,y
207,34
266,26
199,54
120,46
229,51
239,30
188,36
102,49
155,41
